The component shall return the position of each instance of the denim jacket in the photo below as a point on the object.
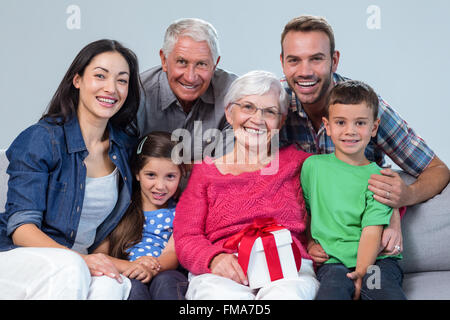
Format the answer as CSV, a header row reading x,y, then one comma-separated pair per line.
x,y
47,179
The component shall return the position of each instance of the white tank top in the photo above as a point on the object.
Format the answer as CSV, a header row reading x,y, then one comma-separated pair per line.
x,y
100,197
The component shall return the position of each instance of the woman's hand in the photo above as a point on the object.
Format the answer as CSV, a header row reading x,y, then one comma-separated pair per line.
x,y
317,253
392,239
140,271
227,265
99,264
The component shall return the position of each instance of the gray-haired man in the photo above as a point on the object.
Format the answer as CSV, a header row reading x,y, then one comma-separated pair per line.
x,y
187,90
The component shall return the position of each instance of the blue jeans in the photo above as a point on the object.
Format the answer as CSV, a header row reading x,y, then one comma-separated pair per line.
x,y
383,285
167,285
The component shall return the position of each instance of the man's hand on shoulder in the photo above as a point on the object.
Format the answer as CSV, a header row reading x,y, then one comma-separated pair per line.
x,y
390,189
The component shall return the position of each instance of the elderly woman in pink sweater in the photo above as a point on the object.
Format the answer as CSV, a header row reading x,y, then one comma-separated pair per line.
x,y
224,195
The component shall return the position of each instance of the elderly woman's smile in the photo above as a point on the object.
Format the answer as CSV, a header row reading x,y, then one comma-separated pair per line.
x,y
257,131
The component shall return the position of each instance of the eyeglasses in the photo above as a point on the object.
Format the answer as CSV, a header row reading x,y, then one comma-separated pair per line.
x,y
270,113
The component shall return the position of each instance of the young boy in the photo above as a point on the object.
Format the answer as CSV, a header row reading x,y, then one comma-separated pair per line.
x,y
346,221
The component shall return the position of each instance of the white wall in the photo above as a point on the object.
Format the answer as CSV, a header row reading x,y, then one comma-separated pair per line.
x,y
404,55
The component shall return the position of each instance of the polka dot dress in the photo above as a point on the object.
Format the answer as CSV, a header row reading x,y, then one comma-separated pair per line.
x,y
158,228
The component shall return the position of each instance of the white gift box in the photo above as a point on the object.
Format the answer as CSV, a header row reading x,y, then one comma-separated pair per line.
x,y
258,271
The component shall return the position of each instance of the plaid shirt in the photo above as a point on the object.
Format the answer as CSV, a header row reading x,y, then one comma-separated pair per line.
x,y
394,138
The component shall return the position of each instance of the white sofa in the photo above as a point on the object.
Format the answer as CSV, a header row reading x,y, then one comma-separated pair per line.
x,y
426,236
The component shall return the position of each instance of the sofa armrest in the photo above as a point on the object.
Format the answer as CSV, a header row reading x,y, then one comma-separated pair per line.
x,y
426,233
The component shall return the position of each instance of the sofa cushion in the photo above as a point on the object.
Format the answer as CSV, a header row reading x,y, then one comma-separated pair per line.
x,y
427,285
3,179
426,234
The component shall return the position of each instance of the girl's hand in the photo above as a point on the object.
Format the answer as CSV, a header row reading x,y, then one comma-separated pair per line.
x,y
227,265
139,272
317,253
99,264
149,262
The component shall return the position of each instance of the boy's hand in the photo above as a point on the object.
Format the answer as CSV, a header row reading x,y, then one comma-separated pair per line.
x,y
357,280
317,253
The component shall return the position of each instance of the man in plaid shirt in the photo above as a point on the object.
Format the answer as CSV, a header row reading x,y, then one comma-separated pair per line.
x,y
309,62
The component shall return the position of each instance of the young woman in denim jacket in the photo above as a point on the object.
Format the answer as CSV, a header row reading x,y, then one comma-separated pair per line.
x,y
70,183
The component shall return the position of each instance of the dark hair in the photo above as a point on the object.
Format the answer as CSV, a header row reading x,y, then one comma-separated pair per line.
x,y
64,103
157,144
307,23
353,92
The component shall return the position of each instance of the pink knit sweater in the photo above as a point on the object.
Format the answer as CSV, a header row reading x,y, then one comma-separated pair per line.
x,y
214,207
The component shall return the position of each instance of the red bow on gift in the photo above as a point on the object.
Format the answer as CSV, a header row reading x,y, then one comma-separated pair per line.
x,y
261,227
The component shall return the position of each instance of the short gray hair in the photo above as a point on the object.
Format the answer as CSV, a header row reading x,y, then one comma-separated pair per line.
x,y
257,82
197,29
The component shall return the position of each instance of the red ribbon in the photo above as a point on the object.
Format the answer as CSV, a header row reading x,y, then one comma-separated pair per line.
x,y
261,227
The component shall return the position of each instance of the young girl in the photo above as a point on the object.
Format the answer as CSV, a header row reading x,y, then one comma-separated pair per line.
x,y
142,243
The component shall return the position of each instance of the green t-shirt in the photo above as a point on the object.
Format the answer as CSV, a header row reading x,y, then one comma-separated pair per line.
x,y
340,205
